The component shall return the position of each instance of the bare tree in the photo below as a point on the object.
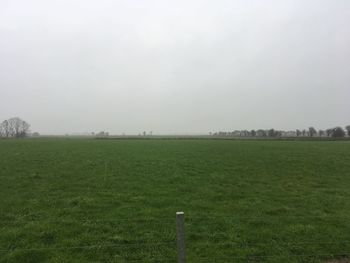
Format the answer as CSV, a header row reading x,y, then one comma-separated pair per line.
x,y
312,131
11,127
321,133
329,132
338,132
271,133
5,129
348,129
24,129
14,127
261,133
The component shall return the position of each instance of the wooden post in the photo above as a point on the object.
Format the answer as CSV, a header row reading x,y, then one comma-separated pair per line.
x,y
180,232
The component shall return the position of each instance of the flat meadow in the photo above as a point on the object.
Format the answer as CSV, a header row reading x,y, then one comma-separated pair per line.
x,y
95,200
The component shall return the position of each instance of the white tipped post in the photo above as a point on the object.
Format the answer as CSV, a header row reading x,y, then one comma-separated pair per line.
x,y
180,232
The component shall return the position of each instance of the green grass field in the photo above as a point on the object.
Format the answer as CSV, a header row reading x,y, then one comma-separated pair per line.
x,y
88,200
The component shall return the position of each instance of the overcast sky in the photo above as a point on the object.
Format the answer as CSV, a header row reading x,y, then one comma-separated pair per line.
x,y
190,66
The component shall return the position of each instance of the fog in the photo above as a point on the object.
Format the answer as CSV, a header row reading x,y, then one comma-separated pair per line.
x,y
172,67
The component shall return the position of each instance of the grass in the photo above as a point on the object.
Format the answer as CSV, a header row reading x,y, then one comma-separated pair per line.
x,y
86,200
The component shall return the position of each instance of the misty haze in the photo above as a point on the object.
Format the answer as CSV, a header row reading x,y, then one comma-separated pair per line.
x,y
175,131
174,67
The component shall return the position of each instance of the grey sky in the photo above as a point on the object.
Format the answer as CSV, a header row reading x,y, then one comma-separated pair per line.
x,y
174,66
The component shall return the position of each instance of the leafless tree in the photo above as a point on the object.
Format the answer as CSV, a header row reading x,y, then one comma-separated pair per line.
x,y
5,129
312,131
348,129
338,132
14,127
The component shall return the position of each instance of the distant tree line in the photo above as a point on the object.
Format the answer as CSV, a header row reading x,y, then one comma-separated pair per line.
x,y
101,134
14,128
336,132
